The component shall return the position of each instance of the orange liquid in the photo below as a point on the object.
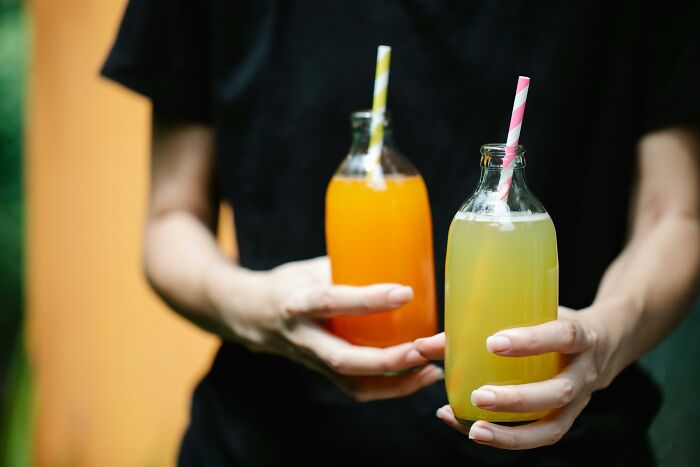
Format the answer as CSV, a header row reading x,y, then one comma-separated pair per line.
x,y
378,236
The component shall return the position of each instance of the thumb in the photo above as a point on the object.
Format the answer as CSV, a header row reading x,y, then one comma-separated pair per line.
x,y
432,348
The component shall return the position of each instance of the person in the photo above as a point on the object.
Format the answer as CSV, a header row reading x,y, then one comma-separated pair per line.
x,y
250,105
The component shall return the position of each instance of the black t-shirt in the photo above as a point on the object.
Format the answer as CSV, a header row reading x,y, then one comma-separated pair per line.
x,y
277,81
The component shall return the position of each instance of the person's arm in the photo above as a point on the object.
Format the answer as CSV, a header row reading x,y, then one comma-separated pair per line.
x,y
643,296
272,311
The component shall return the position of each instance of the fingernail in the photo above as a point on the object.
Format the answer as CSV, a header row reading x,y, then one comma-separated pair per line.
x,y
439,413
400,295
497,343
437,373
480,433
413,357
483,398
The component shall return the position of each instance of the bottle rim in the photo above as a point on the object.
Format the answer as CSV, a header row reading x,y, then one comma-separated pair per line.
x,y
361,117
499,150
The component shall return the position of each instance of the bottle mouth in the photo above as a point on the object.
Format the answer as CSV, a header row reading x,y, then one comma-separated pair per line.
x,y
362,118
499,150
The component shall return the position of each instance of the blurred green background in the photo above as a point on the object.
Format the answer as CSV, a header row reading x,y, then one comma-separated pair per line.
x,y
14,377
674,364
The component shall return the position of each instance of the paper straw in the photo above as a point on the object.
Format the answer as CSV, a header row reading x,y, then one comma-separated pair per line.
x,y
381,82
516,123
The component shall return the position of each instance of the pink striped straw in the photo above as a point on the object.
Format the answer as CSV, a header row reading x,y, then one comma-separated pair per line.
x,y
516,123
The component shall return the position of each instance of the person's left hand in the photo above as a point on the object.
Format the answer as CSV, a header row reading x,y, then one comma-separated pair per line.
x,y
585,362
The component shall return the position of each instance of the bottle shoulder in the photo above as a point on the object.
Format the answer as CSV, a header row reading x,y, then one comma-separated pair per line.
x,y
520,202
392,162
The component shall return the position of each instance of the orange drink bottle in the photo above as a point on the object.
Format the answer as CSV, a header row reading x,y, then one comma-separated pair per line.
x,y
379,231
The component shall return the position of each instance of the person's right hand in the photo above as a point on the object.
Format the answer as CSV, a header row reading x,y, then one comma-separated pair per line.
x,y
296,297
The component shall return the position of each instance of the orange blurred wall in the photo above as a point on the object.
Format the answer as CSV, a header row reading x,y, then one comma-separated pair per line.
x,y
114,370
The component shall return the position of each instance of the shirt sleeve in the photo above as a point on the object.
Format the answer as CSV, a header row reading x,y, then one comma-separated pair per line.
x,y
671,92
162,51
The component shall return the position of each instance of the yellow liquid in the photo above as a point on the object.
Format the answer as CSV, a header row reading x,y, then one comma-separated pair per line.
x,y
500,273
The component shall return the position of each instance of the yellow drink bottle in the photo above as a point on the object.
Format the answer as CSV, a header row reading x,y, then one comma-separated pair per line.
x,y
501,272
381,232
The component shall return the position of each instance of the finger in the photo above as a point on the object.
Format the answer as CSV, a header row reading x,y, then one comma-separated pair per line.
x,y
432,348
447,415
547,431
347,359
366,388
563,335
533,397
334,300
369,388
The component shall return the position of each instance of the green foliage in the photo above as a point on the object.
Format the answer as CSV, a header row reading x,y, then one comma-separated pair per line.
x,y
9,6
14,374
12,75
15,449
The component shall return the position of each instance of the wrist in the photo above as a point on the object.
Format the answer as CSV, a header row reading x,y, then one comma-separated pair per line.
x,y
234,295
613,319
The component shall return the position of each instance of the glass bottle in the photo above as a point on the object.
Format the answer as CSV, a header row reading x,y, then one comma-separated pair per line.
x,y
501,272
379,230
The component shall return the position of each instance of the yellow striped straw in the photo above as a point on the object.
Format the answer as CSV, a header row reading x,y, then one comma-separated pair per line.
x,y
376,140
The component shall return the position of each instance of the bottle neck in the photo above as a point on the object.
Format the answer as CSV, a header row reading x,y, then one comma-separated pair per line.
x,y
487,199
357,163
361,137
492,168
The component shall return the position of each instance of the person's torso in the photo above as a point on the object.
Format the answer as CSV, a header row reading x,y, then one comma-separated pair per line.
x,y
286,76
